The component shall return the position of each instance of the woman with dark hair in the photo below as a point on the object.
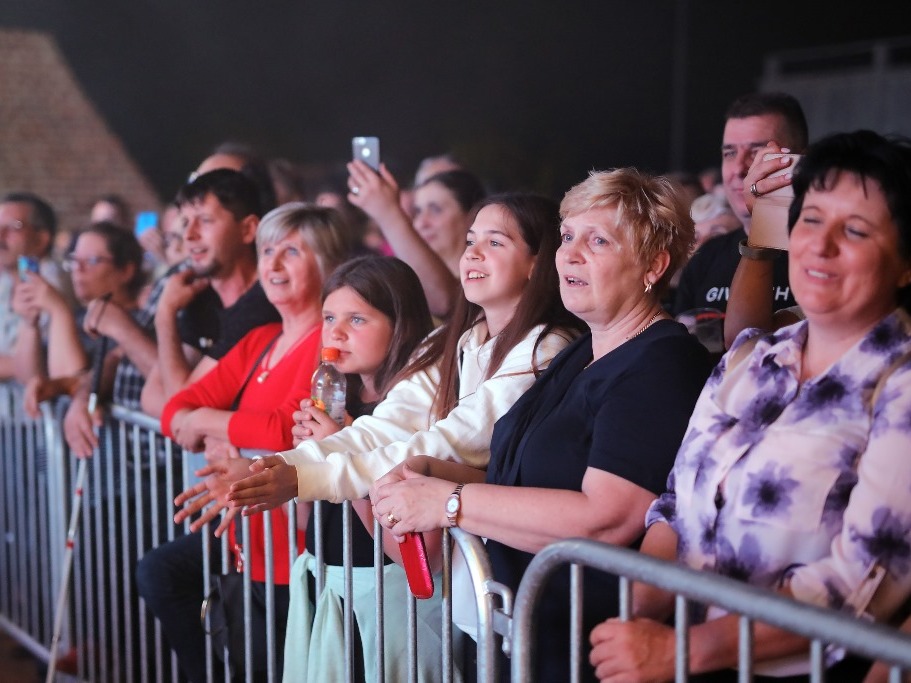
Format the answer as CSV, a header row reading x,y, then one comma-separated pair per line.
x,y
579,454
106,266
794,473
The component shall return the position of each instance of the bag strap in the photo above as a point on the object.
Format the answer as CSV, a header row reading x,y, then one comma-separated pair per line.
x,y
742,352
243,386
881,382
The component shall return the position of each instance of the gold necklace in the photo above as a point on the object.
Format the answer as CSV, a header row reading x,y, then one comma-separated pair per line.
x,y
645,327
268,359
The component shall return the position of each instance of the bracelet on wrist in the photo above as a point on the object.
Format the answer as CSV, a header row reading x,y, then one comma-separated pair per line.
x,y
757,253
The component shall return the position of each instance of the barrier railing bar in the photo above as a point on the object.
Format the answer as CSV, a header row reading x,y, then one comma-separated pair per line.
x,y
411,610
317,519
123,457
575,621
114,586
875,641
270,597
378,564
139,499
745,650
31,544
475,556
447,608
682,639
817,661
348,606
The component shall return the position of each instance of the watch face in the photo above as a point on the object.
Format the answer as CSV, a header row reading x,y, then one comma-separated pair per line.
x,y
452,505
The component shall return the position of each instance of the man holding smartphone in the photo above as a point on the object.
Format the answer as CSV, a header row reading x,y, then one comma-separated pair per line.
x,y
27,227
752,122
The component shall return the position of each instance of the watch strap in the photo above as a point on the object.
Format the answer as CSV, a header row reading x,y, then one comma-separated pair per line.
x,y
757,253
456,495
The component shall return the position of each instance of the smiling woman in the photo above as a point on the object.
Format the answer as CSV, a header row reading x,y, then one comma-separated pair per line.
x,y
794,473
247,401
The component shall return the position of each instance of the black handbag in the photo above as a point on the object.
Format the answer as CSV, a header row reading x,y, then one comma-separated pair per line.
x,y
224,607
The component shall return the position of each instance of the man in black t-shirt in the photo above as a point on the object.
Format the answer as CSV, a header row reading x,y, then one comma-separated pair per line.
x,y
752,121
206,309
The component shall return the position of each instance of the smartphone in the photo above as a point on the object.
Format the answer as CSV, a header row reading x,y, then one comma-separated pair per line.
x,y
27,264
417,566
145,221
367,149
769,224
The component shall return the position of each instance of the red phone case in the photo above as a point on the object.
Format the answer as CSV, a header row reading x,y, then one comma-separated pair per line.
x,y
417,567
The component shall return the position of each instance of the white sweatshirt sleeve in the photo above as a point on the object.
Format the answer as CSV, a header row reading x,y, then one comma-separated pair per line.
x,y
344,465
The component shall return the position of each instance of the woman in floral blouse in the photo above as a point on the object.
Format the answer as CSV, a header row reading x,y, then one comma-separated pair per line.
x,y
794,473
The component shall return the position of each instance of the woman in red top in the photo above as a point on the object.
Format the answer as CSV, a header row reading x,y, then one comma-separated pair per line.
x,y
246,402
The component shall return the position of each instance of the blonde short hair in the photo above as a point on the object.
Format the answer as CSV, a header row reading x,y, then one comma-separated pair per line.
x,y
650,211
323,229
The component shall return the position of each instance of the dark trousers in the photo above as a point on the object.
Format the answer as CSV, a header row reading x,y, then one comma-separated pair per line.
x,y
170,580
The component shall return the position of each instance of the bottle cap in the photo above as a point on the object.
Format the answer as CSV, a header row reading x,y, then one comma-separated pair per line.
x,y
329,354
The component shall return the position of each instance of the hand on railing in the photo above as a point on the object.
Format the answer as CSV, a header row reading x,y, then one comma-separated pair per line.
x,y
638,650
40,389
405,500
210,496
79,427
272,483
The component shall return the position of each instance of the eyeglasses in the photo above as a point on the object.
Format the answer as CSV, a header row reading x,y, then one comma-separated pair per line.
x,y
72,263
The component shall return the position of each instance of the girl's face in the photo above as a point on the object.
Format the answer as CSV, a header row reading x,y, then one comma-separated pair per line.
x,y
496,265
92,268
439,219
360,332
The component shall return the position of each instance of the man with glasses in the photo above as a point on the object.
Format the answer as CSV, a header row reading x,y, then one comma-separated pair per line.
x,y
27,227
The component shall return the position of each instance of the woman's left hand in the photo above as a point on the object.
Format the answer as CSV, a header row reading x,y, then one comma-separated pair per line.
x,y
638,650
312,423
416,503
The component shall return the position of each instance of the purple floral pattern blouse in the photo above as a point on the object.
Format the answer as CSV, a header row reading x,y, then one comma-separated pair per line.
x,y
774,480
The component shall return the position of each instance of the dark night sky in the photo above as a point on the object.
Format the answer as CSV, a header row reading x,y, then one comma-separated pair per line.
x,y
530,93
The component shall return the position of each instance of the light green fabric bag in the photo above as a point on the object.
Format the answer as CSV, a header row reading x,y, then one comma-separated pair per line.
x,y
314,644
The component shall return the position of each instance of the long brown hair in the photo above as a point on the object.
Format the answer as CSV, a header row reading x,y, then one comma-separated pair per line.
x,y
539,224
391,287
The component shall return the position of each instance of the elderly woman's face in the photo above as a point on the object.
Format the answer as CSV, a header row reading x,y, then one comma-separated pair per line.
x,y
844,264
289,272
601,278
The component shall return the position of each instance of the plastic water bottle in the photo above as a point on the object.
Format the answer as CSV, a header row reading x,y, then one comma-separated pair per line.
x,y
328,386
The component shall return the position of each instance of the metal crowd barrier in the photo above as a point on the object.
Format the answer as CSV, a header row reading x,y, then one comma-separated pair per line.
x,y
821,626
109,636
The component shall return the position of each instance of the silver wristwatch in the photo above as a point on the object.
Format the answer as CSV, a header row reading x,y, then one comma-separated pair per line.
x,y
454,505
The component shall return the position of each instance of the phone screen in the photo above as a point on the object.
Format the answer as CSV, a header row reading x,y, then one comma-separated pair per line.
x,y
367,149
27,264
145,220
